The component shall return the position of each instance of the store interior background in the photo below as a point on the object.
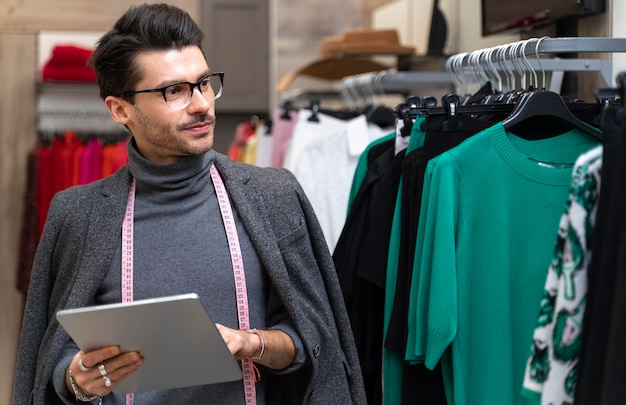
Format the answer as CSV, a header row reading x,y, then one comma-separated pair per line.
x,y
292,33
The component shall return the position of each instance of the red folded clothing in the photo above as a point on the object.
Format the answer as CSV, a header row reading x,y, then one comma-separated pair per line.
x,y
70,55
68,63
68,74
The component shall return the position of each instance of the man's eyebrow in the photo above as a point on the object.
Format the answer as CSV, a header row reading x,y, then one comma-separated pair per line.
x,y
166,83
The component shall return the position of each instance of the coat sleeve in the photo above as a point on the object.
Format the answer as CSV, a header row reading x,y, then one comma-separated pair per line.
x,y
296,255
36,313
79,218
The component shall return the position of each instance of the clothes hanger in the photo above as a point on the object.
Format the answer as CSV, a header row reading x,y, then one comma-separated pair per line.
x,y
287,107
315,109
538,105
547,104
376,112
403,111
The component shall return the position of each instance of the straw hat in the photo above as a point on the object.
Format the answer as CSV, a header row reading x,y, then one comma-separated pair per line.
x,y
348,55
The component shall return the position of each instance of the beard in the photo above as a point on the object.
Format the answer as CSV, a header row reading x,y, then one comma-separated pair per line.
x,y
172,138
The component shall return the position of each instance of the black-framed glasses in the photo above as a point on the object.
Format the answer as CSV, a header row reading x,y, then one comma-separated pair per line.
x,y
178,95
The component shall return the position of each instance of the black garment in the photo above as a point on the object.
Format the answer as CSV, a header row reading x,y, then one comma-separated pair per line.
x,y
360,258
355,221
606,285
29,233
613,388
419,383
436,142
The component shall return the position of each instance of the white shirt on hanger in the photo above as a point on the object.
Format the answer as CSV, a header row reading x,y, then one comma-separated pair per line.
x,y
326,164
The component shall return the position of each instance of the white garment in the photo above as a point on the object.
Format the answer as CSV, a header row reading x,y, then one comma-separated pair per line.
x,y
264,146
306,131
326,167
552,367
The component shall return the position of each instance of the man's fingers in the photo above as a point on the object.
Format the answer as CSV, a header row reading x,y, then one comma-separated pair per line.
x,y
101,377
95,357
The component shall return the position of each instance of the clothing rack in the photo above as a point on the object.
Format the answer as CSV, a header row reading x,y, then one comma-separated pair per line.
x,y
577,45
369,87
65,106
521,56
53,122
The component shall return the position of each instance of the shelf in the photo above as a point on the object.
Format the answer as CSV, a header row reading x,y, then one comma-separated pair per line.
x,y
73,87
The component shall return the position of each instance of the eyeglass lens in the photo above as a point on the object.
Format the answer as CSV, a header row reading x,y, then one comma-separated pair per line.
x,y
179,95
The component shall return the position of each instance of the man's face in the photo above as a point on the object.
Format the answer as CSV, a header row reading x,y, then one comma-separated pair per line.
x,y
162,134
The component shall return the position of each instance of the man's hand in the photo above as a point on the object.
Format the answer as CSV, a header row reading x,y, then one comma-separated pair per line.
x,y
279,348
101,370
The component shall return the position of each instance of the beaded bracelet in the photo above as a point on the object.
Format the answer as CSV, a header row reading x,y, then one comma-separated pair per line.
x,y
261,343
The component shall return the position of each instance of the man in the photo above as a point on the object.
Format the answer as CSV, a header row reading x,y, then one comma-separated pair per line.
x,y
154,80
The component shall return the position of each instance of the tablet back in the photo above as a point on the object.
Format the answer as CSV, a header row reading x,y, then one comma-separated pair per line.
x,y
179,342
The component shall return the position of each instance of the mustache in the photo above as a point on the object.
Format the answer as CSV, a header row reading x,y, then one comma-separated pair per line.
x,y
199,120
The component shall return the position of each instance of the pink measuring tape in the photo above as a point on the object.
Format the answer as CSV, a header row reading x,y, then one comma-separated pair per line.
x,y
249,370
127,256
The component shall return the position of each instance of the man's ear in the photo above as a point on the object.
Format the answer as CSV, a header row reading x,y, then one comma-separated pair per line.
x,y
117,108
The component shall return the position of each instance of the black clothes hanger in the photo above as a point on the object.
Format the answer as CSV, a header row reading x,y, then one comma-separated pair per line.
x,y
287,108
451,105
542,113
481,95
404,112
380,115
315,109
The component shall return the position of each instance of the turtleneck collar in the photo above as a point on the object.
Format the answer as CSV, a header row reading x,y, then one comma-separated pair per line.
x,y
190,173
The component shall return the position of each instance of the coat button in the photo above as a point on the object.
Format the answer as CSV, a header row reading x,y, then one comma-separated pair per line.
x,y
316,351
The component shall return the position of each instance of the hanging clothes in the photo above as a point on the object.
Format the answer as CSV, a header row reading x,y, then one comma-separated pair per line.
x,y
54,165
30,229
91,161
243,132
323,155
602,358
552,368
434,142
472,237
477,274
264,140
431,141
283,123
362,281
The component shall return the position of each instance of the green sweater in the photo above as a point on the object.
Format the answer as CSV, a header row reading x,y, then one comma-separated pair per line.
x,y
490,210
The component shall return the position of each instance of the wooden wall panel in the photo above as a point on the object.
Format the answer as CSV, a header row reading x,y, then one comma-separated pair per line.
x,y
595,26
17,129
368,9
237,42
81,15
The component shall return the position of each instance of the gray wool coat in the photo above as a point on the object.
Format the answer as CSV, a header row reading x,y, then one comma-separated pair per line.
x,y
80,238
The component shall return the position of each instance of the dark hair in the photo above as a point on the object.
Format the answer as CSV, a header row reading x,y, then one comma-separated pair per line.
x,y
141,28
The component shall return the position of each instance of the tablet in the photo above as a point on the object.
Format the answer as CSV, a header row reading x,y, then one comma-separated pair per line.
x,y
178,340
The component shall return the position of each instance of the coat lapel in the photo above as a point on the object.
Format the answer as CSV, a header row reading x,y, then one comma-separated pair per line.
x,y
252,210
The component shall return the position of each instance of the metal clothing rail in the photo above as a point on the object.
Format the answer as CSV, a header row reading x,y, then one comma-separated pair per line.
x,y
369,88
548,45
529,50
407,81
527,58
577,45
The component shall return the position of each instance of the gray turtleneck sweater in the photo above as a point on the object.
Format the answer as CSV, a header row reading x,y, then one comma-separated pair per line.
x,y
180,246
